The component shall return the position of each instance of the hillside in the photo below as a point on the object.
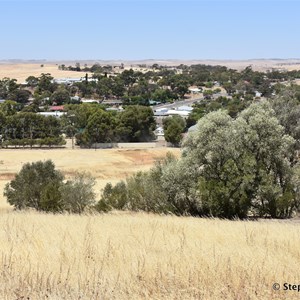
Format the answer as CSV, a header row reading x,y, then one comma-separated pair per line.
x,y
141,256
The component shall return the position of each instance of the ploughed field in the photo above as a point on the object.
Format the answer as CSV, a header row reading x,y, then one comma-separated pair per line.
x,y
124,255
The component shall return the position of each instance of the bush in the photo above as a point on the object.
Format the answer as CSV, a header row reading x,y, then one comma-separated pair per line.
x,y
142,191
78,194
38,185
31,187
230,168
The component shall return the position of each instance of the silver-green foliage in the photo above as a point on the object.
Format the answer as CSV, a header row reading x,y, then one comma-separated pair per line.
x,y
78,194
229,168
243,163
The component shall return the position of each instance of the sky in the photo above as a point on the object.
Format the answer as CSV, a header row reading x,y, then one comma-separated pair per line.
x,y
149,29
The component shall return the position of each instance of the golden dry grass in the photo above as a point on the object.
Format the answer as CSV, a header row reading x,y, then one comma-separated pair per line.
x,y
137,255
107,165
141,256
21,71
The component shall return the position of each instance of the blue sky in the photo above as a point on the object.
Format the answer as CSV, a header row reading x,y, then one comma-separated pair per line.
x,y
144,29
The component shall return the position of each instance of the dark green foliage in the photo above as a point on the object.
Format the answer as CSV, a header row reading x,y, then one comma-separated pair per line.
x,y
136,124
33,187
100,127
60,96
27,128
38,185
173,129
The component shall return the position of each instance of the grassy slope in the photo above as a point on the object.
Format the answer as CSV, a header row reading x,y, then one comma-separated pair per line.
x,y
140,256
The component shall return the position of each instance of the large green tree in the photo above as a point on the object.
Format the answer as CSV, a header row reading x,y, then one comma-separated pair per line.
x,y
136,124
243,164
173,129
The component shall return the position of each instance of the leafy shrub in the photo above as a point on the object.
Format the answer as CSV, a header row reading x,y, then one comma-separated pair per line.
x,y
78,194
31,187
38,185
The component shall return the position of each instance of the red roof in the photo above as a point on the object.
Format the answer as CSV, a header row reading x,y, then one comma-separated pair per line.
x,y
57,108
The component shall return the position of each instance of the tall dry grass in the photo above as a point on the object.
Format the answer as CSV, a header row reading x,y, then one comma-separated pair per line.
x,y
141,256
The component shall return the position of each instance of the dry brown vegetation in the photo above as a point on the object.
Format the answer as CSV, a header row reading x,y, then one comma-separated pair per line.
x,y
108,165
21,70
137,255
142,256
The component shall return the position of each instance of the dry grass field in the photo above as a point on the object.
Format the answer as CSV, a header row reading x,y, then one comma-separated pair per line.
x,y
142,256
107,165
136,255
20,70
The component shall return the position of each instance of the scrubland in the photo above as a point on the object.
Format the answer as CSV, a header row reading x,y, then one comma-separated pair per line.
x,y
106,165
137,255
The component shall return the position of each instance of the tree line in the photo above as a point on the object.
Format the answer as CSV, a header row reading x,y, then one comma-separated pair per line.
x,y
159,83
87,123
230,168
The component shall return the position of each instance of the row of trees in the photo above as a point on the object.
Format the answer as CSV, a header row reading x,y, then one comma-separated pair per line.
x,y
89,123
29,129
230,167
92,124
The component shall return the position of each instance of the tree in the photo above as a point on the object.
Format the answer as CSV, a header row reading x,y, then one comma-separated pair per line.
x,y
136,124
100,127
33,187
243,164
287,111
7,86
45,83
32,81
9,107
60,96
229,168
20,96
173,129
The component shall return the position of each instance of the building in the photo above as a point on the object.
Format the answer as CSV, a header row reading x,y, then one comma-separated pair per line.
x,y
56,114
56,108
90,101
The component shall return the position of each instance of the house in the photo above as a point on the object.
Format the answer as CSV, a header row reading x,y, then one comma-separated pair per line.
x,y
195,90
181,113
159,131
